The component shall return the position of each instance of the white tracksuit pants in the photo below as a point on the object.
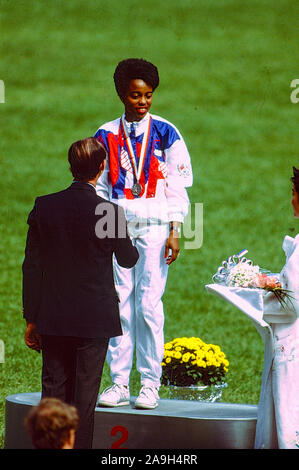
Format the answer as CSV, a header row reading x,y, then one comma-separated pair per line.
x,y
140,291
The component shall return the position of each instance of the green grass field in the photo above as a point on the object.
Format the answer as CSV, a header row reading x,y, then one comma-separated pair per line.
x,y
225,73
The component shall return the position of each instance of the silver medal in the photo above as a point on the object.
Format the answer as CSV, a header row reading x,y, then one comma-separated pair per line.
x,y
136,189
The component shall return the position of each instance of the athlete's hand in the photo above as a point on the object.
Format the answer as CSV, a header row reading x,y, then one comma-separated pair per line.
x,y
172,247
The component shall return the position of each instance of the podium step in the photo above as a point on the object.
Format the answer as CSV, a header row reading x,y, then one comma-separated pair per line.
x,y
174,424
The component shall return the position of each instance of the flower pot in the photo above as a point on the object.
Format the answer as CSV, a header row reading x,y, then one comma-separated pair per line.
x,y
204,393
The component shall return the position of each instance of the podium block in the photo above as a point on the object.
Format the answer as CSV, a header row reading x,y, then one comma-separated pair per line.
x,y
174,424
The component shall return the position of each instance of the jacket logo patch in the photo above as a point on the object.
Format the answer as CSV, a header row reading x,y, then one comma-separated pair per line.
x,y
183,170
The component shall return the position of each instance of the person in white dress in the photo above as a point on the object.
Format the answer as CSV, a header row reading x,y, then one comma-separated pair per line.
x,y
278,417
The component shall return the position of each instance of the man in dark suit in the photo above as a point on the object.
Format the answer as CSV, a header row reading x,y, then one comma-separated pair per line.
x,y
69,300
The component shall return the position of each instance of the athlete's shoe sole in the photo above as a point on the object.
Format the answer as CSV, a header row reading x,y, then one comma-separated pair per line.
x,y
144,406
112,405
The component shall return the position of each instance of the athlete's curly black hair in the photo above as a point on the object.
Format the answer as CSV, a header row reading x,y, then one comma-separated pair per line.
x,y
295,179
130,69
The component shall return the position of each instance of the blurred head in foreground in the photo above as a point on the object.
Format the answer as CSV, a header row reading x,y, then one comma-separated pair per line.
x,y
52,424
295,192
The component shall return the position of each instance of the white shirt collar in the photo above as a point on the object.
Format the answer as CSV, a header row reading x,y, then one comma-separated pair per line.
x,y
138,125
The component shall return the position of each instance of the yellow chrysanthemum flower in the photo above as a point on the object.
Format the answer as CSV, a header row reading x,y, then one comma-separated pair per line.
x,y
186,357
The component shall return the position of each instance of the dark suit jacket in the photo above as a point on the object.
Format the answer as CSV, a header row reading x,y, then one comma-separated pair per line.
x,y
68,286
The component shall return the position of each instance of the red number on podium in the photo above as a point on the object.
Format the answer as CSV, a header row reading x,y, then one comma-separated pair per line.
x,y
124,436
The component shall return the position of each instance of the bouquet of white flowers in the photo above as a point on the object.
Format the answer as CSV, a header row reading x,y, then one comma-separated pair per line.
x,y
238,271
242,275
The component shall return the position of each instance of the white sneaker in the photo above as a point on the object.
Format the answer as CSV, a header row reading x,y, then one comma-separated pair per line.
x,y
148,398
115,395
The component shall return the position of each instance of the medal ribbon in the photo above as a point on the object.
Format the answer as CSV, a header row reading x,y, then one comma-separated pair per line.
x,y
144,145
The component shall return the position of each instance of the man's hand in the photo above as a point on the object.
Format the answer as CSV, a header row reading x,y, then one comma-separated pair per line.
x,y
172,244
32,339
